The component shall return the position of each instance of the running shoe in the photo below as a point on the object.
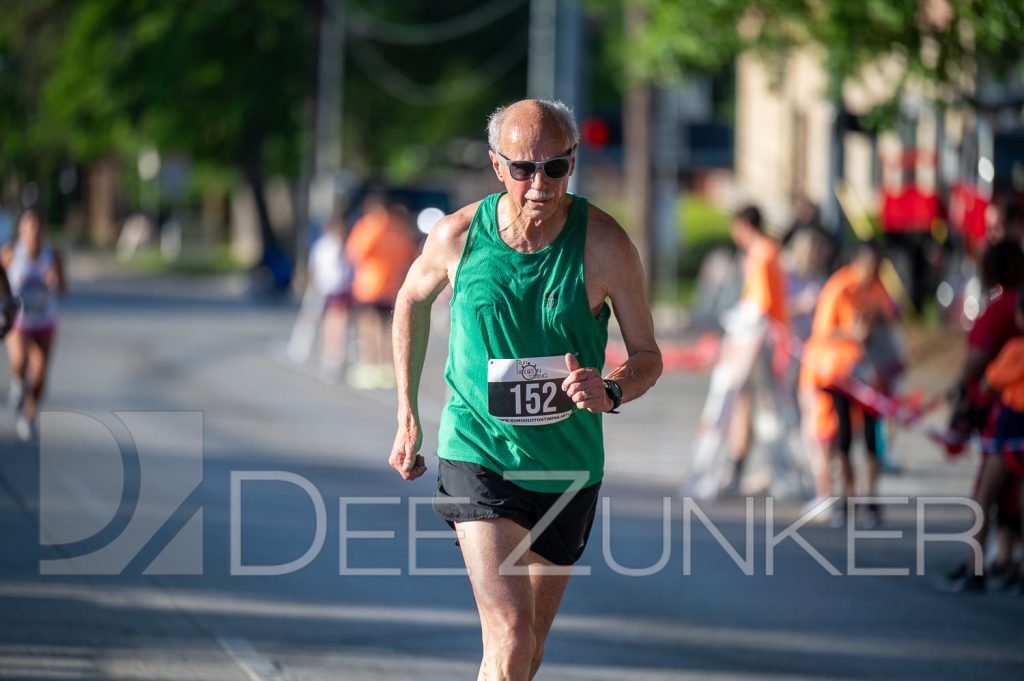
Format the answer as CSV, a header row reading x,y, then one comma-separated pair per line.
x,y
839,515
871,517
1011,578
383,376
962,580
25,429
360,376
825,510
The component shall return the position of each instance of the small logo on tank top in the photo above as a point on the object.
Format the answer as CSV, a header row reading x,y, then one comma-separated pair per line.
x,y
551,299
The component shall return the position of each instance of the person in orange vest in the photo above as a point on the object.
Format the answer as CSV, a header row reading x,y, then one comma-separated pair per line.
x,y
764,292
852,305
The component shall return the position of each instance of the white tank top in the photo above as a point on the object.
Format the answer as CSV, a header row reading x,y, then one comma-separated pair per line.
x,y
28,282
332,271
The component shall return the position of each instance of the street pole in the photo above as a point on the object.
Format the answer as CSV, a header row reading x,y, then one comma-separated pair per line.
x,y
570,67
540,74
317,195
637,142
667,149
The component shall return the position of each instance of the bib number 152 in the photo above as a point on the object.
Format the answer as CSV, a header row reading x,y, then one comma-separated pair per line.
x,y
534,398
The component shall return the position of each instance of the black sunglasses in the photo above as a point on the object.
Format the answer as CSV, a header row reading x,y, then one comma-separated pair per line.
x,y
555,168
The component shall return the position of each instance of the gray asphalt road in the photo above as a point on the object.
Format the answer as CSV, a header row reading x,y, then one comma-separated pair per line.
x,y
170,393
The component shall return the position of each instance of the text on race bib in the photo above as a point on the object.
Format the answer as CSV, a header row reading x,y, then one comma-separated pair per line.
x,y
528,392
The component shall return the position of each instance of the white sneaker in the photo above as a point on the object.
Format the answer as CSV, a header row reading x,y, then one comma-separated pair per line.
x,y
824,510
25,430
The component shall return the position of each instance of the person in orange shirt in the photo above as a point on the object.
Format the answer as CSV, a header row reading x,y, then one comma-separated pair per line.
x,y
764,290
764,283
853,303
382,247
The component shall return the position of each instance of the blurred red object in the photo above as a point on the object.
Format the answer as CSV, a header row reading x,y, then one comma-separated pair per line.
x,y
696,356
909,210
953,442
594,132
967,209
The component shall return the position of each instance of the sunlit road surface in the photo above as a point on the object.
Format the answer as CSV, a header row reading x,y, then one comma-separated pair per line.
x,y
130,344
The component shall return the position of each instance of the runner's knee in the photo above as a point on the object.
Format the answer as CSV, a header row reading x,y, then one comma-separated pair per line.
x,y
511,637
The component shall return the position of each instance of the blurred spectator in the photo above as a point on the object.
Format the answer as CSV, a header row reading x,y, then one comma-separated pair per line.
x,y
763,298
1001,271
852,308
807,219
382,247
764,285
331,273
1005,378
806,215
37,274
1005,222
806,269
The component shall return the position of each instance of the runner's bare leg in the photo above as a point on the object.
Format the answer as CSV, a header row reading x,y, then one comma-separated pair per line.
x,y
516,611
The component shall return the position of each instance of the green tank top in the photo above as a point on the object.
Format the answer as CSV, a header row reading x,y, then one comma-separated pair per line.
x,y
514,316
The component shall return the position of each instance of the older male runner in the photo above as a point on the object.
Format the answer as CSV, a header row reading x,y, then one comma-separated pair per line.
x,y
532,270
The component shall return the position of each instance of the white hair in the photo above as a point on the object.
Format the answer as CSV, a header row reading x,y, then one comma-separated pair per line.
x,y
560,111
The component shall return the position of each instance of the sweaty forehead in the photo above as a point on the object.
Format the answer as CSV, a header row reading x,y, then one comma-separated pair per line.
x,y
532,133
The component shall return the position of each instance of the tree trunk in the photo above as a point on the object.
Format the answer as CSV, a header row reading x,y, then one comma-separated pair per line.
x,y
254,176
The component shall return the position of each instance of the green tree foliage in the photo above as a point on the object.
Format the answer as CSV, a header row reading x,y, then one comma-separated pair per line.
x,y
28,34
420,73
941,42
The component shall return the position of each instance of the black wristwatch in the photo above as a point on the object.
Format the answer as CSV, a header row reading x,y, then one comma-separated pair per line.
x,y
614,394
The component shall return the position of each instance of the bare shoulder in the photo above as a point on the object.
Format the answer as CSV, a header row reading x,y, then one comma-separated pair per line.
x,y
605,236
449,234
6,254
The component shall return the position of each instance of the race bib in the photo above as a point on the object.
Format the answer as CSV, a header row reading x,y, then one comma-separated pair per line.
x,y
528,392
35,300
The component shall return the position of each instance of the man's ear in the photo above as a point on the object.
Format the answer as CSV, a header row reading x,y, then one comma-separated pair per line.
x,y
496,165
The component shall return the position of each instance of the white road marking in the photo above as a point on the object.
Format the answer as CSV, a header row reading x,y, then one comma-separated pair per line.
x,y
256,667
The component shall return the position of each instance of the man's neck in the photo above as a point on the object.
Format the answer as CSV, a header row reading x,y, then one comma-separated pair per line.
x,y
528,235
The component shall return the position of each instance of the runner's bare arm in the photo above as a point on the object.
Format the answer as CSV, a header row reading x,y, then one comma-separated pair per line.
x,y
427,277
60,279
613,265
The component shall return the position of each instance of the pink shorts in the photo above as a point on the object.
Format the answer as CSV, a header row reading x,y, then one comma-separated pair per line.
x,y
41,334
342,300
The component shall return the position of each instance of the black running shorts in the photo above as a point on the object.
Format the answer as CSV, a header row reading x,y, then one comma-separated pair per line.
x,y
491,496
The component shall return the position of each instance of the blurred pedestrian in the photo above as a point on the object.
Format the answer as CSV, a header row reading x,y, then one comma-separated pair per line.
x,y
762,302
853,306
1004,377
381,247
1005,222
805,265
331,274
36,273
522,456
1001,271
807,220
